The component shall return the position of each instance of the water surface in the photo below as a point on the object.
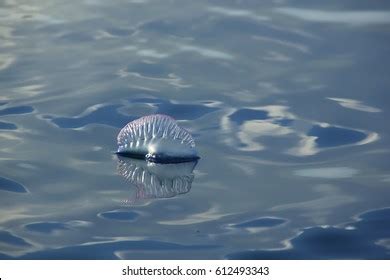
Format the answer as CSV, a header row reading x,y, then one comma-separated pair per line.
x,y
287,101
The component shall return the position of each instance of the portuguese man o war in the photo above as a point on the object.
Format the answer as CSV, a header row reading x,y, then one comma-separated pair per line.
x,y
156,138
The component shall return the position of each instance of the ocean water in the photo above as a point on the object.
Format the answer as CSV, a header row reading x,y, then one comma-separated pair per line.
x,y
288,102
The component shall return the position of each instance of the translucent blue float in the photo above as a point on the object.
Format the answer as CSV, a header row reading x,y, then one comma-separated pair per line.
x,y
156,138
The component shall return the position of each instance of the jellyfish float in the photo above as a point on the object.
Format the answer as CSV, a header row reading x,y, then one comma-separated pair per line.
x,y
156,138
157,157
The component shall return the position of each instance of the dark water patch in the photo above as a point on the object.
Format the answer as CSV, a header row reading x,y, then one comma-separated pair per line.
x,y
242,115
5,257
7,126
11,186
358,240
46,227
335,136
16,110
374,224
106,250
261,222
10,239
376,215
107,115
120,215
284,122
321,243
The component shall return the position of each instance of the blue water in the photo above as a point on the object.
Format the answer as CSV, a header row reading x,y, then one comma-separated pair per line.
x,y
288,102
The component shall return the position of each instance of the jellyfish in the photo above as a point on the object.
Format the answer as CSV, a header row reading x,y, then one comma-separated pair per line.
x,y
156,138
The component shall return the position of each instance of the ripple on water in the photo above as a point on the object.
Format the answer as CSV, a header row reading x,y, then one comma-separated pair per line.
x,y
242,115
109,114
10,239
119,32
252,123
332,136
79,37
46,227
179,111
355,105
164,26
356,240
98,114
154,70
107,249
263,222
7,126
120,215
273,114
16,110
11,186
184,111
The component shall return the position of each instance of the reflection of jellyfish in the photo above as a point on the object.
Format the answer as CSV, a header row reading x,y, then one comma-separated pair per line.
x,y
157,138
154,180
